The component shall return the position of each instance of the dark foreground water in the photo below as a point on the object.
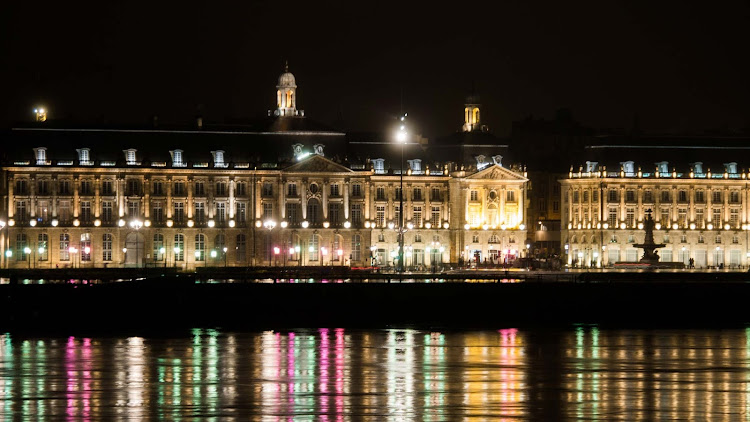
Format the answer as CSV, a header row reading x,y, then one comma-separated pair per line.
x,y
338,375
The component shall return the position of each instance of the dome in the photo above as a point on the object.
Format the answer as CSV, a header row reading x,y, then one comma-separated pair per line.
x,y
287,80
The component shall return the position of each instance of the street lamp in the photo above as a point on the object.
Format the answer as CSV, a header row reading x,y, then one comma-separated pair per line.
x,y
401,137
27,251
136,224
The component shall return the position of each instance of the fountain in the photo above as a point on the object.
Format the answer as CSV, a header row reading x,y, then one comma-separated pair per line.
x,y
650,256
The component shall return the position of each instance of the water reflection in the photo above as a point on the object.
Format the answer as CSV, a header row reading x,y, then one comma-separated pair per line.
x,y
332,374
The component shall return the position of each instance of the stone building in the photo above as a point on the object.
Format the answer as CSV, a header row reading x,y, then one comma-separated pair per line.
x,y
283,190
700,205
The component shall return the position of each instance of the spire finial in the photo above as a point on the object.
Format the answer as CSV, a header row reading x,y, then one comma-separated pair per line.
x,y
286,66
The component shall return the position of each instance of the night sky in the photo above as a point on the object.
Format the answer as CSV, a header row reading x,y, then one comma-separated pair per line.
x,y
681,68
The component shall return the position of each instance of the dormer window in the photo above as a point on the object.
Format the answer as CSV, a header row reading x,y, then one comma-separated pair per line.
x,y
662,167
591,166
218,158
41,156
415,165
378,164
177,159
130,158
84,156
730,168
628,167
698,167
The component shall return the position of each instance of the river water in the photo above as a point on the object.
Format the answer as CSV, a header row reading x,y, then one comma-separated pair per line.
x,y
331,374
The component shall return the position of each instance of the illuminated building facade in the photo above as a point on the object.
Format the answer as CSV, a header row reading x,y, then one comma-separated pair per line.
x,y
701,216
281,191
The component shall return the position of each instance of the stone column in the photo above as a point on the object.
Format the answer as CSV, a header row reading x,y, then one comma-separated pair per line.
x,y
231,205
168,186
346,200
53,186
282,199
146,197
97,197
76,202
189,205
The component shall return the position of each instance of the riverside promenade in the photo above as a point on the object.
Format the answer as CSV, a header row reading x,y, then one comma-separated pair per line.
x,y
175,300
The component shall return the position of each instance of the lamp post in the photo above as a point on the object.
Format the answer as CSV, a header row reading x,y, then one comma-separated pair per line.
x,y
136,224
401,137
27,251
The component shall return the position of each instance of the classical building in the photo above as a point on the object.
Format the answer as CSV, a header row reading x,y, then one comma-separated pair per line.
x,y
700,205
282,190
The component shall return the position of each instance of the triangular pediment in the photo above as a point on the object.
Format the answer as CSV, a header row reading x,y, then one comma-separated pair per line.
x,y
317,163
496,172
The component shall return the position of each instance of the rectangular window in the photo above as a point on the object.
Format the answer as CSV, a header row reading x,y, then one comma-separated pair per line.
x,y
417,216
221,188
397,192
648,196
21,213
700,218
64,187
134,209
86,188
267,190
417,194
42,187
334,189
556,206
682,217
396,214
356,215
665,196
179,212
700,196
716,217
21,243
200,212
293,213
200,188
585,196
134,187
665,221
734,197
85,211
682,196
157,188
157,212
221,212
85,249
240,189
734,218
576,196
267,210
474,195
435,194
630,217
380,194
380,216
716,196
613,197
612,220
629,195
63,211
333,213
241,212
356,190
179,188
240,247
435,217
291,190
22,187
42,247
510,196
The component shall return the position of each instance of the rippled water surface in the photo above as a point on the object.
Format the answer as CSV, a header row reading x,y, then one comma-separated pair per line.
x,y
335,374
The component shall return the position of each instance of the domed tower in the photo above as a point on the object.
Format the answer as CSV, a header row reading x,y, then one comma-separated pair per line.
x,y
286,94
471,114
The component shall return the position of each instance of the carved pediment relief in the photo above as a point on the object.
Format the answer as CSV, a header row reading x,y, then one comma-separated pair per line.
x,y
496,172
317,163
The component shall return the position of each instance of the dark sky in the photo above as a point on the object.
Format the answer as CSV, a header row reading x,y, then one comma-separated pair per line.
x,y
681,67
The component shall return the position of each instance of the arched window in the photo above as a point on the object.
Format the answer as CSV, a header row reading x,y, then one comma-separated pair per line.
x,y
240,248
179,247
159,250
43,245
583,239
313,211
219,243
106,247
64,247
313,248
21,245
356,247
200,247
573,239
